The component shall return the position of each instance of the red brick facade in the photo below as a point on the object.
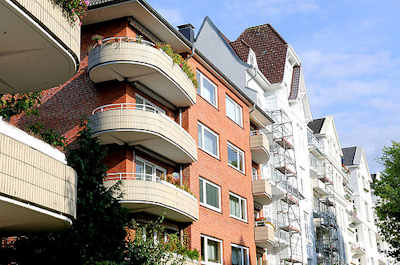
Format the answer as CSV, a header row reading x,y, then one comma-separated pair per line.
x,y
65,106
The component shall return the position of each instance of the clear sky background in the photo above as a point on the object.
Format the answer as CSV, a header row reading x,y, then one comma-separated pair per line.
x,y
349,50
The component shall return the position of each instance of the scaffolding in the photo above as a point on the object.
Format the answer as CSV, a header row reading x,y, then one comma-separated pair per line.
x,y
324,214
287,220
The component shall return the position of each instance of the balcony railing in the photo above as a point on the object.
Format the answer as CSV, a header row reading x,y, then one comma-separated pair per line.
x,y
136,60
128,123
264,234
141,190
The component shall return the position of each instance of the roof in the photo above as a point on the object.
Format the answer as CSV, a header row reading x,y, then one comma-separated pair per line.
x,y
270,49
316,125
349,154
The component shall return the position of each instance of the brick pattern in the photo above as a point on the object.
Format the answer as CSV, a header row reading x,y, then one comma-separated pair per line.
x,y
270,49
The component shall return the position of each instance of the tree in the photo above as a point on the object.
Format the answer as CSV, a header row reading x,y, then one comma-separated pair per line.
x,y
99,231
387,188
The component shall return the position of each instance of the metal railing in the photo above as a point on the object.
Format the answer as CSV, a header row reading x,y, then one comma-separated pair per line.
x,y
119,176
129,106
111,40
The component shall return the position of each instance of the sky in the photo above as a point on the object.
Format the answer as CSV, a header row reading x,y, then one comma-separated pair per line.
x,y
349,52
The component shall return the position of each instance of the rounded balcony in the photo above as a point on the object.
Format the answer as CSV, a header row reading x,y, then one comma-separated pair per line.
x,y
259,146
264,234
37,189
150,194
137,124
141,61
38,43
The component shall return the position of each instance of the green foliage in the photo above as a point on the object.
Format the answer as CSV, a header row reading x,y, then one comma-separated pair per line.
x,y
179,61
99,231
73,8
148,246
388,192
11,105
48,135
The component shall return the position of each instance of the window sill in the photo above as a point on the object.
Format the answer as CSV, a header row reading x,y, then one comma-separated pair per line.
x,y
211,208
208,153
242,172
208,102
237,218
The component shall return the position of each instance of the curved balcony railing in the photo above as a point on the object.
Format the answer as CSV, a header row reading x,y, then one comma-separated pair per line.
x,y
124,58
41,44
262,191
141,190
138,124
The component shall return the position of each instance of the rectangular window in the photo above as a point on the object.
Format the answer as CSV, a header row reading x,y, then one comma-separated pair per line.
x,y
234,111
210,195
238,207
211,250
240,255
147,171
208,140
144,104
254,173
206,89
235,157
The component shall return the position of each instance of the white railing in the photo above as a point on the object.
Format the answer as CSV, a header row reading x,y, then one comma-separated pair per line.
x,y
140,107
129,106
258,132
312,140
111,40
119,176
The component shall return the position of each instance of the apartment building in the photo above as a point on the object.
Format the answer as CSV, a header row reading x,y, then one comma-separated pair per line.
x,y
233,160
366,231
182,149
39,49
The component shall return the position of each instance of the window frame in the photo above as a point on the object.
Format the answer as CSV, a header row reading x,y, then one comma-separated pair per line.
x,y
236,105
240,204
199,90
206,238
147,102
239,151
150,164
242,248
204,127
204,204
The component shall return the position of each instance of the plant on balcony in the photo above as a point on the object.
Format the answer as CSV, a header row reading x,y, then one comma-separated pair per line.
x,y
73,9
177,59
11,105
146,249
47,135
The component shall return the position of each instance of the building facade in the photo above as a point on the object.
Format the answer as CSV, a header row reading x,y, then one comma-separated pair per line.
x,y
215,135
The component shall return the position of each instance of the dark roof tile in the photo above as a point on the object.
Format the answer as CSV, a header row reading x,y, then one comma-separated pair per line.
x,y
270,49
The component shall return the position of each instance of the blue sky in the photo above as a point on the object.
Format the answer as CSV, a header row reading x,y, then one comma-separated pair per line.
x,y
349,51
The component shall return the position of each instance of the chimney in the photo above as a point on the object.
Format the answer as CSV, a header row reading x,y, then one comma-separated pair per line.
x,y
187,30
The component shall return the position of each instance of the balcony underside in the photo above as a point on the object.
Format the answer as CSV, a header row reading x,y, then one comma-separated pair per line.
x,y
16,216
154,131
39,47
158,198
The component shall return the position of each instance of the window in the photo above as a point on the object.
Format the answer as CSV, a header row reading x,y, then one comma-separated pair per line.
x,y
254,173
147,170
235,157
208,140
210,195
142,103
240,255
206,89
238,207
211,250
234,111
307,226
